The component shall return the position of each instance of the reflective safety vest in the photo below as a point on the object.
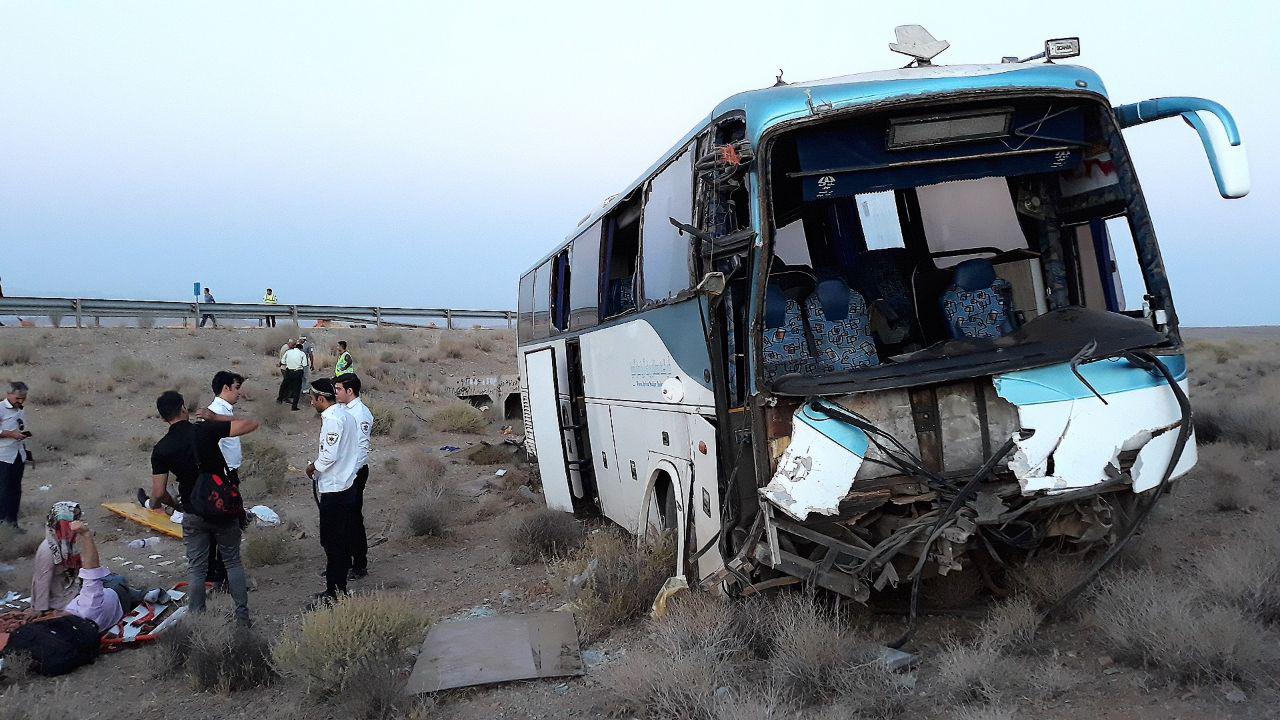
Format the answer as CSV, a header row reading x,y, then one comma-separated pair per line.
x,y
344,365
269,299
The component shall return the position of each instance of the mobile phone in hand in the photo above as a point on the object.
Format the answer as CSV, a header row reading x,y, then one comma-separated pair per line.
x,y
26,433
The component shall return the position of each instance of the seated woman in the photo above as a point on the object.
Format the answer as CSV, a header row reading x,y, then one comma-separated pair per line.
x,y
55,580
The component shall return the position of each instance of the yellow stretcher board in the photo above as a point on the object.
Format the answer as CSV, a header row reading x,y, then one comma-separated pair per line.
x,y
154,519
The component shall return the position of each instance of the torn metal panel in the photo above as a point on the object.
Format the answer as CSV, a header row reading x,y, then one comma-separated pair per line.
x,y
496,649
818,467
1078,437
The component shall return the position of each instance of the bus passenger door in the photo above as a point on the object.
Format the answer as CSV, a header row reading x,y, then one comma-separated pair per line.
x,y
548,436
573,418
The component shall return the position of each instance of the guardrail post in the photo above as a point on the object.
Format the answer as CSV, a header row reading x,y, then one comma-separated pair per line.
x,y
510,317
293,310
97,321
377,316
448,319
76,304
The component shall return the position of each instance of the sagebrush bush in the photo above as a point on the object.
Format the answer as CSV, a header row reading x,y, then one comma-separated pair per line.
x,y
268,546
275,338
50,395
384,419
1164,623
16,353
1245,574
457,417
1253,420
426,464
332,648
215,654
482,341
30,701
454,348
1011,625
127,368
544,533
407,430
64,432
265,466
429,515
1046,579
612,580
391,465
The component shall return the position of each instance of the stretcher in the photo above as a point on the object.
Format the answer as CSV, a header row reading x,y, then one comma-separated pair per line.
x,y
154,519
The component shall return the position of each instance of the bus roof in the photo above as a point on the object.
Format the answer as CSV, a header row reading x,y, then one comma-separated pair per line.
x,y
768,107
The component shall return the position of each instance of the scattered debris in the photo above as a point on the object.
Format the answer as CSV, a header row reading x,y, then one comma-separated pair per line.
x,y
46,488
528,494
594,658
672,587
496,649
449,449
140,543
500,472
264,516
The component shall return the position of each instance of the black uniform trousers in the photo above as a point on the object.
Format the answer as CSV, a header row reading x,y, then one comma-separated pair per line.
x,y
290,387
11,488
360,541
337,517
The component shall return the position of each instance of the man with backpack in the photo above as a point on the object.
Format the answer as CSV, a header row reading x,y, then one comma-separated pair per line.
x,y
212,511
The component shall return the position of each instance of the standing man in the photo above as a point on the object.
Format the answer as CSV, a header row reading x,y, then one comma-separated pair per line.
x,y
284,349
270,299
208,299
309,350
333,474
347,389
226,388
187,451
345,363
291,385
14,455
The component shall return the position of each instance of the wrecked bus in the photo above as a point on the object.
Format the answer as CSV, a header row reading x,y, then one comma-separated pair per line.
x,y
858,331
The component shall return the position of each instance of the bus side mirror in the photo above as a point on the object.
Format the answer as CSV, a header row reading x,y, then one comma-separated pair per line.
x,y
712,284
1218,134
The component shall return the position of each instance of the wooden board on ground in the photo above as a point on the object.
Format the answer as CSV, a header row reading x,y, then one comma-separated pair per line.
x,y
496,649
154,519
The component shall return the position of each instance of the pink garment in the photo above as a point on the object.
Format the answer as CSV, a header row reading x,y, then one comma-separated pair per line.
x,y
50,587
95,602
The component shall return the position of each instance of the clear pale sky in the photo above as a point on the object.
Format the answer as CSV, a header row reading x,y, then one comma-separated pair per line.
x,y
414,154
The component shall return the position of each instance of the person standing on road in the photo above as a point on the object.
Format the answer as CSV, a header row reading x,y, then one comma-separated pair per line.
x,y
333,474
347,389
187,451
208,299
14,455
309,350
345,362
291,385
270,299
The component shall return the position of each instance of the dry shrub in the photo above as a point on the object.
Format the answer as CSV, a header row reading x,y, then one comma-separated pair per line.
x,y
14,544
985,712
388,337
612,580
455,348
384,420
51,395
275,338
391,466
1011,626
408,430
457,417
215,654
127,368
482,341
53,701
1252,420
1047,578
274,414
1165,624
490,454
429,515
268,546
265,463
1225,468
426,464
63,432
1245,574
16,353
974,671
544,533
334,649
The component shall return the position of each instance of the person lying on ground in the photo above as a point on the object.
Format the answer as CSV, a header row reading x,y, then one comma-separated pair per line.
x,y
55,578
104,596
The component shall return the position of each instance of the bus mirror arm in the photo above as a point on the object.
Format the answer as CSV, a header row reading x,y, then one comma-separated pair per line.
x,y
1221,139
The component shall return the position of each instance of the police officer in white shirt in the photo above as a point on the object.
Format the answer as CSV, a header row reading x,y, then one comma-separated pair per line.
x,y
333,474
347,388
291,386
13,451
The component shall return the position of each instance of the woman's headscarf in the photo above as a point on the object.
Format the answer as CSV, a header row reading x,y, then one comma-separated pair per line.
x,y
60,537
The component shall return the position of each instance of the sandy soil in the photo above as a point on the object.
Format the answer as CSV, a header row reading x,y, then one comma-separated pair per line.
x,y
470,567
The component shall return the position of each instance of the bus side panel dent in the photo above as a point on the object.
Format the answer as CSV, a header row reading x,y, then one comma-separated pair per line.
x,y
1079,439
818,468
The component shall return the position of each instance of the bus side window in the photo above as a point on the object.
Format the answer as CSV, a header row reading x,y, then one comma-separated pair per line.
x,y
560,286
621,248
525,312
665,249
540,327
584,264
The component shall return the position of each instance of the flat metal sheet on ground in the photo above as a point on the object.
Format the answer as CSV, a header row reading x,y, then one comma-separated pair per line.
x,y
496,649
154,519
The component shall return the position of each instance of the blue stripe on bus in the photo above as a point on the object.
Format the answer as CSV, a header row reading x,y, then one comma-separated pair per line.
x,y
1056,383
842,433
680,328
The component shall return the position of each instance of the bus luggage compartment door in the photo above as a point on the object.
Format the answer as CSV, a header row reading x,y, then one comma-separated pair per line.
x,y
548,437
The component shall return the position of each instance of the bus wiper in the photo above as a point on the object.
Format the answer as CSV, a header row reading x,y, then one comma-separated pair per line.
x,y
1085,353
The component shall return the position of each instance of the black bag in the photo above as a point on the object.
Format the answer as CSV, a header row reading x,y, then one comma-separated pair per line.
x,y
216,499
58,645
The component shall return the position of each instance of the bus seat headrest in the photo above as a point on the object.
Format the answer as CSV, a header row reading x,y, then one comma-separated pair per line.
x,y
975,274
833,295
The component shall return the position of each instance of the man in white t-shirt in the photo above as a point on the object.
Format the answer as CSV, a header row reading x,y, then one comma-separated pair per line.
x,y
291,386
347,389
226,387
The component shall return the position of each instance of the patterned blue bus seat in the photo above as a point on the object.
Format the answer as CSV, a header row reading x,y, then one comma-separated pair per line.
x,y
844,343
976,304
785,348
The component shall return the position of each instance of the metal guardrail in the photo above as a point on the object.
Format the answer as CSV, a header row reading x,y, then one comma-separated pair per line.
x,y
82,308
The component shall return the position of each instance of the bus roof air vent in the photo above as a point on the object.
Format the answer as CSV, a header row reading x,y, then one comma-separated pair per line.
x,y
918,43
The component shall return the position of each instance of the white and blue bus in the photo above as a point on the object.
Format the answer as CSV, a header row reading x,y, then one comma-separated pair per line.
x,y
860,330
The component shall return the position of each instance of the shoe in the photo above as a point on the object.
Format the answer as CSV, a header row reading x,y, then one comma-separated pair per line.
x,y
143,498
320,600
295,409
357,574
155,595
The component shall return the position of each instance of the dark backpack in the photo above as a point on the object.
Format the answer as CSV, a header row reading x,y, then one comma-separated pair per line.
x,y
216,499
58,645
